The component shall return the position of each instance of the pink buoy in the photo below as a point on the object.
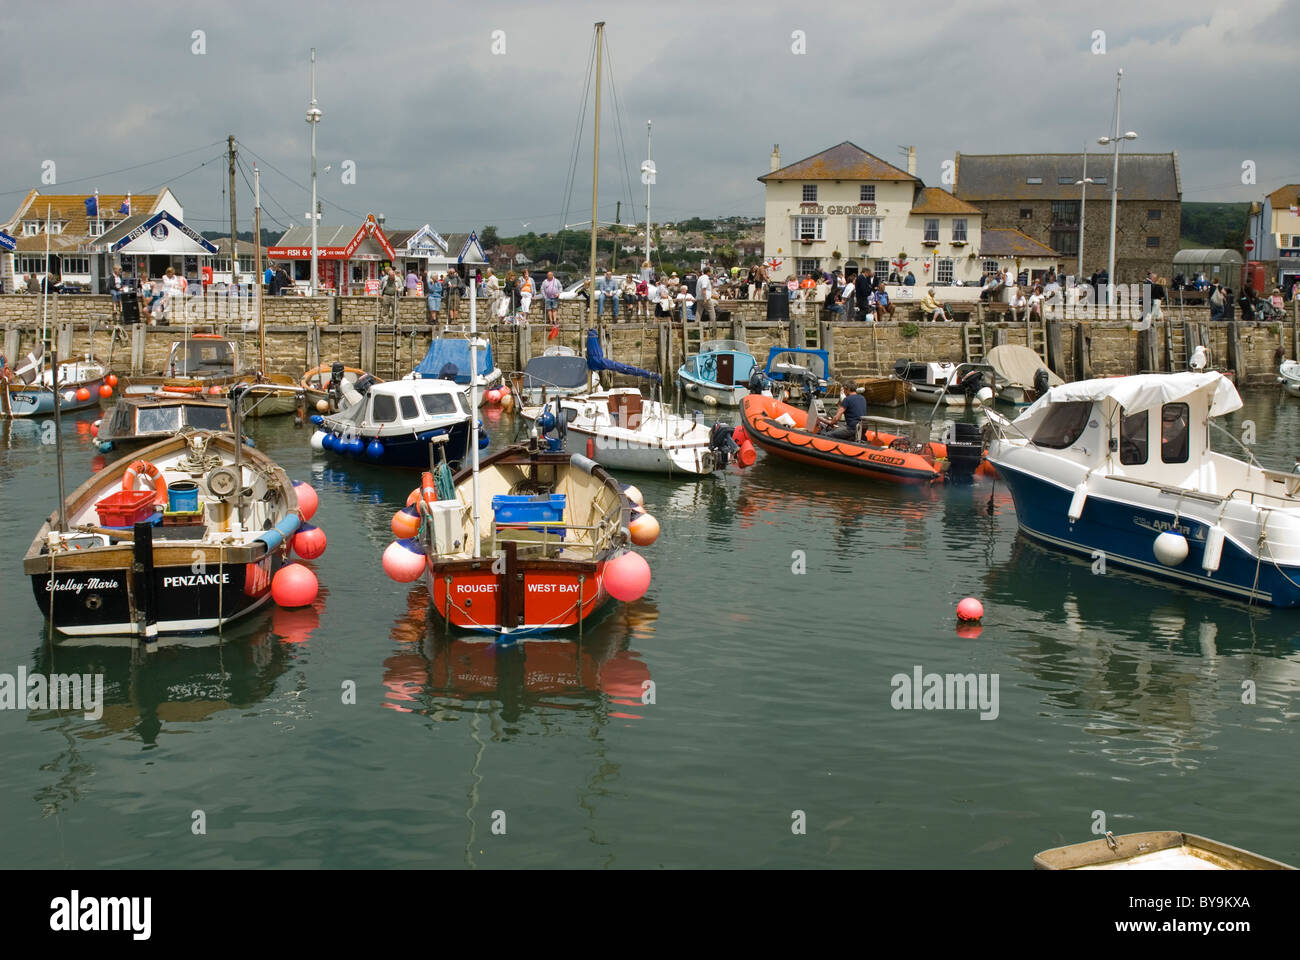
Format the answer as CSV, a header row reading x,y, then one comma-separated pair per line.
x,y
627,577
970,609
294,586
644,530
309,541
493,396
634,495
404,560
308,501
406,523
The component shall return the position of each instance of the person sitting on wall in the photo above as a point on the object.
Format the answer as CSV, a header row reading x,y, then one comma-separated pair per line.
x,y
993,286
883,307
931,306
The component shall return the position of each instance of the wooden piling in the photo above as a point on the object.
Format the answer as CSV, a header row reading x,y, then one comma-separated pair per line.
x,y
1054,358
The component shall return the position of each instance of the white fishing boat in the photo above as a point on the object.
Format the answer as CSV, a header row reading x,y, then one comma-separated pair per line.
x,y
1122,468
1288,374
1154,850
941,381
621,430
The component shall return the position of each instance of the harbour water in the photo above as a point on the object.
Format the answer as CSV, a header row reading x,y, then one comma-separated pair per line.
x,y
783,603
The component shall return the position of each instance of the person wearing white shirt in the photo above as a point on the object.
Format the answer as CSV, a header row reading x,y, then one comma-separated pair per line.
x,y
704,295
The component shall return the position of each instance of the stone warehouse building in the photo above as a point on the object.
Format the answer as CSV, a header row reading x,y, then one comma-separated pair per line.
x,y
1036,194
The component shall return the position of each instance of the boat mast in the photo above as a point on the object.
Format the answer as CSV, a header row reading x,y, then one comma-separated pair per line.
x,y
473,411
595,180
649,179
54,385
234,230
313,118
257,266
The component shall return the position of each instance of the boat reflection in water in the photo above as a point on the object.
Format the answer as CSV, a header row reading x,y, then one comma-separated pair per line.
x,y
434,675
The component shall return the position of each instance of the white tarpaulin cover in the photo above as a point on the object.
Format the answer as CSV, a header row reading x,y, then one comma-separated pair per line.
x,y
1143,391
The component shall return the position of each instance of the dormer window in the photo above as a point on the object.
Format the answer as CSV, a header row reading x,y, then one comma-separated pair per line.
x,y
56,227
31,228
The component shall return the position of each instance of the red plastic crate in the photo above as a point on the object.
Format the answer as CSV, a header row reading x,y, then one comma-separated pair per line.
x,y
125,507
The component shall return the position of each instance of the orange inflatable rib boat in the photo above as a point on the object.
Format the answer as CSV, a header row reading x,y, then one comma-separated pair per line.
x,y
880,456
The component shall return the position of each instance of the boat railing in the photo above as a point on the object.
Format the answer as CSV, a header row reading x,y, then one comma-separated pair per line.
x,y
1183,493
551,532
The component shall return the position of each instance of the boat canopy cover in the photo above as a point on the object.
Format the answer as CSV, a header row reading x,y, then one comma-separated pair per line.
x,y
1016,364
1143,391
791,360
448,359
596,361
556,370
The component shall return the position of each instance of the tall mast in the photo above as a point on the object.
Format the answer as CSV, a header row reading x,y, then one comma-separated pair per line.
x,y
234,230
313,118
648,180
54,384
1114,196
257,263
473,412
595,179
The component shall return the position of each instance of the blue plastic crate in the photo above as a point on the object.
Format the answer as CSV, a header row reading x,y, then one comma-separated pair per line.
x,y
543,508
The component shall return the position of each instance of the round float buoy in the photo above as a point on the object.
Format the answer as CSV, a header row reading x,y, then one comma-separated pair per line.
x,y
94,428
308,500
214,391
627,577
294,586
374,450
322,406
309,541
644,530
356,446
970,609
83,394
493,396
710,401
404,560
634,495
111,379
318,440
1170,548
105,391
405,523
327,441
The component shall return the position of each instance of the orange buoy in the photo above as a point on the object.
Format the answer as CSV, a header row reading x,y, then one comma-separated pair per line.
x,y
83,394
644,530
294,586
111,379
105,391
406,523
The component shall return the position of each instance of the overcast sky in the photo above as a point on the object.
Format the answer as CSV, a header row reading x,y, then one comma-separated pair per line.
x,y
441,130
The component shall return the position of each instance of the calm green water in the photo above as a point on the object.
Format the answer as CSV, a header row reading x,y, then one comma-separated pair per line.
x,y
772,695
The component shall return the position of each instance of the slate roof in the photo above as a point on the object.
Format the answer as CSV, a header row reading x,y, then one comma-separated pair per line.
x,y
1142,176
936,200
845,161
998,243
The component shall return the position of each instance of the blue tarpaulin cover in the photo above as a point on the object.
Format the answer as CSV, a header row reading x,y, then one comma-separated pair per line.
x,y
449,354
596,361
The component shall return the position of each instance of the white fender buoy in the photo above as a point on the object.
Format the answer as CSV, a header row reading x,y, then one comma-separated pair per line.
x,y
1077,501
1213,549
1170,548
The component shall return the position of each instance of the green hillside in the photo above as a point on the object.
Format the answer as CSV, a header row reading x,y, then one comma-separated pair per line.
x,y
1214,225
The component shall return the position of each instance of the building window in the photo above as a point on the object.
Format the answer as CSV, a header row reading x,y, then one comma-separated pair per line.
x,y
943,272
1282,242
75,264
1099,180
1153,241
220,265
867,193
245,264
31,228
1026,213
1295,240
1065,211
1033,179
932,230
810,193
864,228
959,230
805,266
1066,242
1153,214
55,227
882,268
811,228
1065,181
31,265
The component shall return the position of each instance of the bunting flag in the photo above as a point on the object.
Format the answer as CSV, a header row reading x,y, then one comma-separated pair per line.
x,y
30,368
126,206
92,206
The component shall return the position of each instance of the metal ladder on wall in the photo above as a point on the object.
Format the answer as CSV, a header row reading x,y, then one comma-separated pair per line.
x,y
972,341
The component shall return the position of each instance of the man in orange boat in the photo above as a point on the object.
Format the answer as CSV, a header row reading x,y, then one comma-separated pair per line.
x,y
852,408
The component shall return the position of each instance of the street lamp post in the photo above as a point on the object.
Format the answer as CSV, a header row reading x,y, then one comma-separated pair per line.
x,y
1114,190
1083,203
313,118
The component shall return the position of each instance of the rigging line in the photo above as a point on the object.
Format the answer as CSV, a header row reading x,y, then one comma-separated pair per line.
x,y
137,166
577,143
244,174
180,176
322,199
618,125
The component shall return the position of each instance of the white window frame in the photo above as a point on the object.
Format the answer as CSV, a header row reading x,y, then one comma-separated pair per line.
x,y
882,268
959,230
31,228
991,266
817,231
931,229
939,270
55,227
31,263
865,228
866,193
805,266
808,188
67,265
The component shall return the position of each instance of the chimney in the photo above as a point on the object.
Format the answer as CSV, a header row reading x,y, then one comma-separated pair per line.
x,y
911,161
776,156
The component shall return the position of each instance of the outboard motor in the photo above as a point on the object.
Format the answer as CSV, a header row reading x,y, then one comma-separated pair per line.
x,y
364,383
900,368
757,382
1041,383
336,377
971,383
722,442
553,425
964,452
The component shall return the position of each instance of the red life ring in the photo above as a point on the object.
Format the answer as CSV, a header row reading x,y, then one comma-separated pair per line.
x,y
149,472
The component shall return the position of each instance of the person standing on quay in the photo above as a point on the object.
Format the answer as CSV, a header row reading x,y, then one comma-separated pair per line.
x,y
452,293
433,297
525,293
551,298
705,297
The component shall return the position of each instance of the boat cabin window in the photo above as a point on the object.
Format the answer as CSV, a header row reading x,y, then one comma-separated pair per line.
x,y
158,419
202,357
1174,433
208,418
409,411
1063,424
437,404
383,408
1133,438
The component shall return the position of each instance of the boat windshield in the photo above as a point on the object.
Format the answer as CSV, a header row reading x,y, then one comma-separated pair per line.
x,y
1063,424
158,419
789,363
203,358
438,404
208,417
